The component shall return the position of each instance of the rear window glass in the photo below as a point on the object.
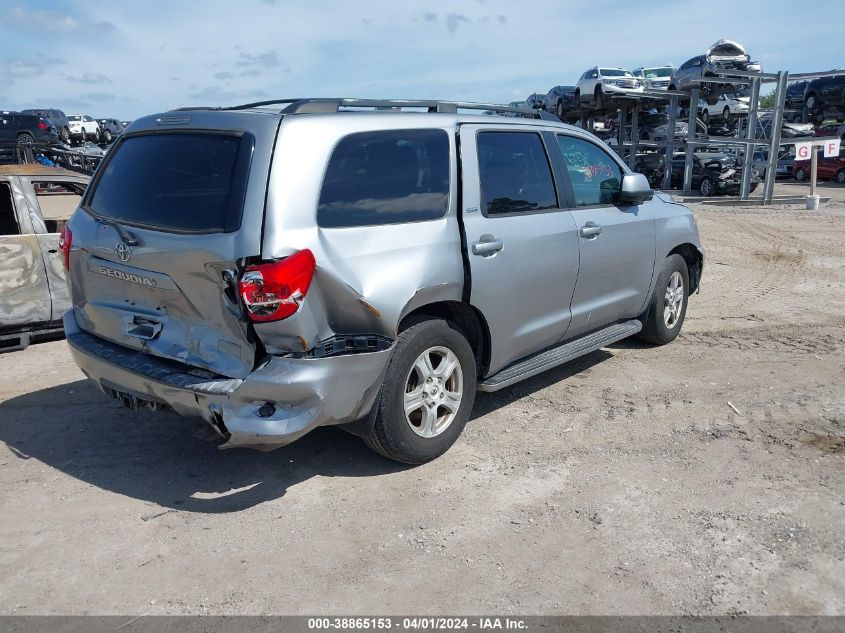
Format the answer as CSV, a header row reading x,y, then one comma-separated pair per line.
x,y
386,177
177,181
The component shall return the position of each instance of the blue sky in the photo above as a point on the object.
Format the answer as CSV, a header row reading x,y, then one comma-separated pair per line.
x,y
125,59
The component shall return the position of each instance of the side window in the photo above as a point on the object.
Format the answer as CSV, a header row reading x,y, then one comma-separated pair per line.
x,y
57,201
8,222
514,172
386,177
595,176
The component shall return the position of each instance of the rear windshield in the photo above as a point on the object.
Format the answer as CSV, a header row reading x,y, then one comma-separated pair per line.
x,y
74,117
183,182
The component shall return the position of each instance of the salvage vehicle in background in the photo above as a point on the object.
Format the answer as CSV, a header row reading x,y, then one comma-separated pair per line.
x,y
230,264
83,127
787,130
110,129
713,174
726,105
598,84
57,118
17,128
724,55
831,168
35,204
656,77
534,101
825,96
559,99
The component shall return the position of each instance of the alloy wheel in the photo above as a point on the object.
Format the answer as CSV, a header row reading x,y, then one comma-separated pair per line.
x,y
433,391
674,300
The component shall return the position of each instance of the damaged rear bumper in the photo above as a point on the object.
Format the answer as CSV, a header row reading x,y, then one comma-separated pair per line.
x,y
276,404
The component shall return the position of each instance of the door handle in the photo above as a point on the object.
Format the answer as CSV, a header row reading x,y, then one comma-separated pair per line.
x,y
487,245
590,230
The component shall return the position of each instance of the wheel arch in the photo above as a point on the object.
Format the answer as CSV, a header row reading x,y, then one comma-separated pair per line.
x,y
695,262
466,318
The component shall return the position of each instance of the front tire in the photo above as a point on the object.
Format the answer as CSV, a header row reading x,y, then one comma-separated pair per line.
x,y
559,110
668,306
840,176
599,99
800,174
726,113
65,135
427,393
107,136
705,116
706,187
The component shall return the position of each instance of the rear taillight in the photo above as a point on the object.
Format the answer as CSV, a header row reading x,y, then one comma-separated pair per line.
x,y
43,126
65,241
272,292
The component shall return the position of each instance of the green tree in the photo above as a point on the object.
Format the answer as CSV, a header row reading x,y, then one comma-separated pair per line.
x,y
767,102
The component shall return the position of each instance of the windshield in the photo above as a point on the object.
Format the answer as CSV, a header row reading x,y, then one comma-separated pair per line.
x,y
655,119
186,182
614,72
74,117
653,73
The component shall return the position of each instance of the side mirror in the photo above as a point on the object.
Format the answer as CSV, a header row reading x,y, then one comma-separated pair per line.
x,y
635,189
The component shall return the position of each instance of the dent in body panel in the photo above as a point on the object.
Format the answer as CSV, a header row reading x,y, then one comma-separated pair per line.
x,y
24,292
368,277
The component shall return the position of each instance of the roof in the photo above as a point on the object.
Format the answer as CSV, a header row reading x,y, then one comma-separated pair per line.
x,y
38,170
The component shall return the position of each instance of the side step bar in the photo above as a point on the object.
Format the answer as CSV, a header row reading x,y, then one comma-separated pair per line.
x,y
559,355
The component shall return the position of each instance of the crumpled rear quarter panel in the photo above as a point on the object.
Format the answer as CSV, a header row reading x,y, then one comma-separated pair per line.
x,y
367,277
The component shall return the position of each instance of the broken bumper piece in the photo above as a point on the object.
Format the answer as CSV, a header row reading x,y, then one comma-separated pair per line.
x,y
276,404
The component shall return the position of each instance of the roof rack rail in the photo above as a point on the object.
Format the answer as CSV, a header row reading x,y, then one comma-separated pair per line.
x,y
323,105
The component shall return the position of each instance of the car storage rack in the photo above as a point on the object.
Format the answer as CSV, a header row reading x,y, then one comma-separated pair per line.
x,y
323,105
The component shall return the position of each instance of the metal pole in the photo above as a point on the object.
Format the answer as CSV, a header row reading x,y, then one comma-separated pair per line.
x,y
814,165
635,135
693,120
751,130
669,148
774,147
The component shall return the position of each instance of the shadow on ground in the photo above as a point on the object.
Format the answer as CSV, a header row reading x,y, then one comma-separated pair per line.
x,y
165,459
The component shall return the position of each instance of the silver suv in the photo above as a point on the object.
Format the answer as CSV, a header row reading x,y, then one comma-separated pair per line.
x,y
368,264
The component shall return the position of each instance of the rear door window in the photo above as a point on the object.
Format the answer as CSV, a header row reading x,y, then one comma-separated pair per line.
x,y
515,173
181,182
57,201
386,177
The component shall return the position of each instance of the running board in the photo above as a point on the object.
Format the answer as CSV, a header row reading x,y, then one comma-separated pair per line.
x,y
559,355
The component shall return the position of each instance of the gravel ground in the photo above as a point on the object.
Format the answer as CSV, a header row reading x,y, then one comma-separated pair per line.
x,y
623,483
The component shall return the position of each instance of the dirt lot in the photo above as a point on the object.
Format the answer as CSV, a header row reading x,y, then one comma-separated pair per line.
x,y
623,483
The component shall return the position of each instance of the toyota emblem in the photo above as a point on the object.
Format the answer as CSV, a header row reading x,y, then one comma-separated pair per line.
x,y
123,252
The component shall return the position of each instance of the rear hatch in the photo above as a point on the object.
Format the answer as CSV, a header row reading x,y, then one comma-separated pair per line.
x,y
163,233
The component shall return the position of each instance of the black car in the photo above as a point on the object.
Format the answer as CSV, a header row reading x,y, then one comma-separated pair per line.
x,y
559,99
713,173
17,128
110,129
825,94
56,117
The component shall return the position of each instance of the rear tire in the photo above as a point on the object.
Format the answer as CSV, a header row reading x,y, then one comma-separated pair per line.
x,y
705,116
25,139
800,174
428,430
107,136
840,176
578,98
726,113
668,305
705,188
559,110
65,135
